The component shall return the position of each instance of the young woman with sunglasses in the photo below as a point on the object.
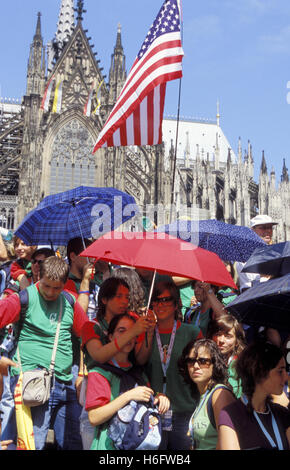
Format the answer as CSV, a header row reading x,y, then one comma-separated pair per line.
x,y
229,336
254,422
203,368
103,392
167,344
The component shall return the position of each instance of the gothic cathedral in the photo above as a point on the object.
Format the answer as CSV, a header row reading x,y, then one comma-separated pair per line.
x,y
46,142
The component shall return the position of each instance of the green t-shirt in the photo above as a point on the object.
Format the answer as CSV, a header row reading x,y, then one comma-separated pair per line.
x,y
177,391
233,379
201,320
228,295
205,435
37,335
186,293
101,439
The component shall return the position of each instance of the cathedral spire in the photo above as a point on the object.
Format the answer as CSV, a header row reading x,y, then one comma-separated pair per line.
x,y
36,62
65,27
38,27
80,10
263,164
285,175
66,22
117,75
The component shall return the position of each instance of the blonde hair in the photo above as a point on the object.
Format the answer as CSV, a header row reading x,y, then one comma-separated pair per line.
x,y
55,269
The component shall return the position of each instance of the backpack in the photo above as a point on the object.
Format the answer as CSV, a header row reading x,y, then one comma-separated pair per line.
x,y
5,276
136,426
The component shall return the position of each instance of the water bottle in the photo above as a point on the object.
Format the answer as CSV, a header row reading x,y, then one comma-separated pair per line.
x,y
127,413
166,421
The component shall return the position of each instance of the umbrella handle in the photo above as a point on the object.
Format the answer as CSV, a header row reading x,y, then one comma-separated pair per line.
x,y
149,301
151,291
82,237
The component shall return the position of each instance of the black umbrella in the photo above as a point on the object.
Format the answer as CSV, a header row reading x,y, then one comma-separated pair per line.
x,y
265,304
271,260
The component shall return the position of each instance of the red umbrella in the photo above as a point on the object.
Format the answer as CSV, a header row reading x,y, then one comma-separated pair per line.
x,y
161,252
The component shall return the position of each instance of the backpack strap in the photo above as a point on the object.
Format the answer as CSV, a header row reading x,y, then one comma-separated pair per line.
x,y
70,298
5,273
209,406
128,378
23,297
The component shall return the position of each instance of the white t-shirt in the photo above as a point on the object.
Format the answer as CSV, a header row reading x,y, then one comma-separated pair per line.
x,y
247,280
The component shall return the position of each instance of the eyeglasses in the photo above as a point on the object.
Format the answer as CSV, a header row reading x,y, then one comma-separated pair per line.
x,y
264,227
38,261
203,362
162,300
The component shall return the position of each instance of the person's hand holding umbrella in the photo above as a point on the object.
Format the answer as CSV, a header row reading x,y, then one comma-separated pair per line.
x,y
215,304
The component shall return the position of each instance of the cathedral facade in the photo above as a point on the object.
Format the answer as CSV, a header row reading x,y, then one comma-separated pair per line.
x,y
46,143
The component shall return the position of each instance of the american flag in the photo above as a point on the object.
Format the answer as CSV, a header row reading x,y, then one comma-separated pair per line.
x,y
136,118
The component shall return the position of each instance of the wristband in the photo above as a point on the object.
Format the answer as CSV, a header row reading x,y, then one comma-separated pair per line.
x,y
80,375
84,292
116,344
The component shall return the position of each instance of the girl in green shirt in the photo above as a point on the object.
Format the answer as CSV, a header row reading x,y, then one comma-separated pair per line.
x,y
203,368
229,335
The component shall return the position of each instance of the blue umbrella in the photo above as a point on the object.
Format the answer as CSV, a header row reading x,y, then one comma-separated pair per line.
x,y
81,212
229,242
265,304
273,260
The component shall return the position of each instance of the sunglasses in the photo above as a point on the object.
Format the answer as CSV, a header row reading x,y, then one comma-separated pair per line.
x,y
38,261
203,362
162,300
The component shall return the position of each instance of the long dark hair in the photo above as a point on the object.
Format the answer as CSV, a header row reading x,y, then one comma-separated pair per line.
x,y
254,364
107,291
220,370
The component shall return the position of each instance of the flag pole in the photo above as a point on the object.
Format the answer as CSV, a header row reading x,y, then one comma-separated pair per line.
x,y
176,143
177,123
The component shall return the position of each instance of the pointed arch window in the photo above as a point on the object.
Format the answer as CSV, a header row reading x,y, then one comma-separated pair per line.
x,y
72,162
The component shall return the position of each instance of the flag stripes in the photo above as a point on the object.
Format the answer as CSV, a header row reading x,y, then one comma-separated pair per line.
x,y
136,118
46,97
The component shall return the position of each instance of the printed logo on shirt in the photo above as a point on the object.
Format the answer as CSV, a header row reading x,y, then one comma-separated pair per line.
x,y
53,317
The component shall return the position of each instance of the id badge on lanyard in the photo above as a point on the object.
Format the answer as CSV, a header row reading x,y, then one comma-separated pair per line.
x,y
166,359
264,430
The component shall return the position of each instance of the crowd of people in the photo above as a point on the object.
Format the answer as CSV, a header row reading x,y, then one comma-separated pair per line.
x,y
213,382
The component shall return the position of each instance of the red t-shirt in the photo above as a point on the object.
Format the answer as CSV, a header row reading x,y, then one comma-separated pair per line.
x,y
99,389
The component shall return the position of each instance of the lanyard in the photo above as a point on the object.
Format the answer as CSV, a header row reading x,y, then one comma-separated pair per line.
x,y
264,430
169,351
195,413
197,321
230,359
113,360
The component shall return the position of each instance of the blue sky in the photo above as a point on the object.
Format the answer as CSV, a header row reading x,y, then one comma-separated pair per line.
x,y
237,52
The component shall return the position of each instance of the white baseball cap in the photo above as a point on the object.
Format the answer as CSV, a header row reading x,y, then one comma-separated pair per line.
x,y
262,219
